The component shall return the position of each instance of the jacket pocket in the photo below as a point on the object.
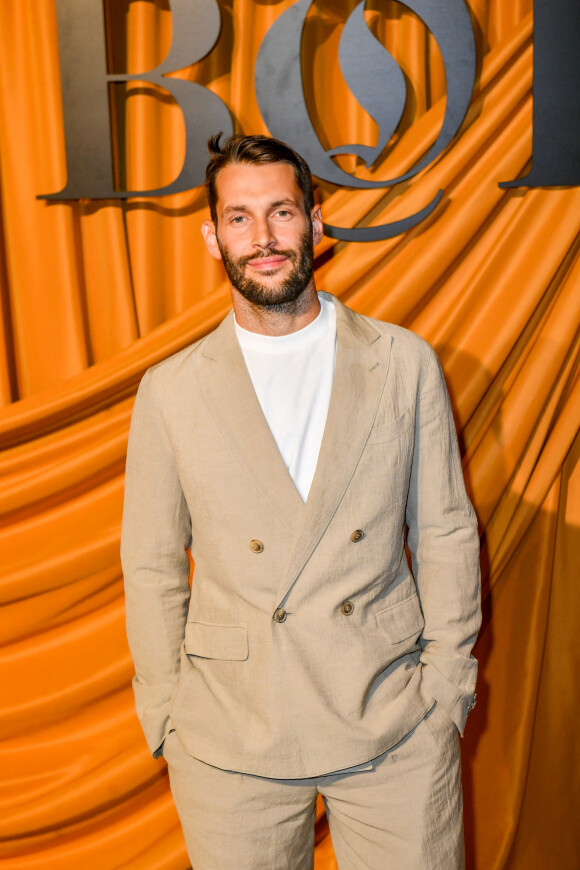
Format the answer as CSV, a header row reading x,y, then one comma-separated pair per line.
x,y
393,429
402,620
226,642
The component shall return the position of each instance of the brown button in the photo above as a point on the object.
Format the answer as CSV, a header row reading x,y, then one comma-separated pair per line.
x,y
357,535
256,546
280,615
347,608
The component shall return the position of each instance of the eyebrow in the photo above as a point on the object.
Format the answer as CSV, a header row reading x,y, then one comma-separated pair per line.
x,y
244,208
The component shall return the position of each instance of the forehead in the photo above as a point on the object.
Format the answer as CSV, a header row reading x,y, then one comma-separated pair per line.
x,y
249,184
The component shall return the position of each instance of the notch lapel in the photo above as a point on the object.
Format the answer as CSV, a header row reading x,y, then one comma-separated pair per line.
x,y
362,363
229,393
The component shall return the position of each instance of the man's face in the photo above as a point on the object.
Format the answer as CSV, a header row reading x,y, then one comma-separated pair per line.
x,y
264,237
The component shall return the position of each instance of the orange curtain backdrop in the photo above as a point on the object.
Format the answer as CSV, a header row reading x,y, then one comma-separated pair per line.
x,y
94,292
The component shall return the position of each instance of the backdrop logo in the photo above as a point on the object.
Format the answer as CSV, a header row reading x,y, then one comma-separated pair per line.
x,y
376,81
372,74
83,59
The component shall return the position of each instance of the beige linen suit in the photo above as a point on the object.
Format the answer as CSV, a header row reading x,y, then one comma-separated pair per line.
x,y
307,645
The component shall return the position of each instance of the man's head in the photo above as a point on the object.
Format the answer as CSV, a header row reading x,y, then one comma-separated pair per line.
x,y
255,151
264,222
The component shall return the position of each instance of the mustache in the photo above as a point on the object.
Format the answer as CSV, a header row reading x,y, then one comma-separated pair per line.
x,y
290,255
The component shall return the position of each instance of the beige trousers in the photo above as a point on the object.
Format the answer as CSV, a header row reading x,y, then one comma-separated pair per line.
x,y
402,811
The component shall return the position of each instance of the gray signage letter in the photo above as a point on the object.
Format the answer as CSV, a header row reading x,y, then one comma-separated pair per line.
x,y
556,97
196,26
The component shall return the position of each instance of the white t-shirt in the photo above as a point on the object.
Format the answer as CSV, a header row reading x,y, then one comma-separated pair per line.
x,y
292,376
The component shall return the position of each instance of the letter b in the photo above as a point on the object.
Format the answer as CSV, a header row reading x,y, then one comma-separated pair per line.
x,y
196,26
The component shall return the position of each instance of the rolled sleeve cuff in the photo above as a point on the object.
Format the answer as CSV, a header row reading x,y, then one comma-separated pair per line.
x,y
153,705
457,700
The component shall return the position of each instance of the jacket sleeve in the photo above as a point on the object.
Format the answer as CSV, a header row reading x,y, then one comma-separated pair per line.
x,y
156,532
444,544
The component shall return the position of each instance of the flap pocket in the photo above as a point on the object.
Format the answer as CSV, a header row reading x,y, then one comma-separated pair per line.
x,y
390,430
227,642
402,620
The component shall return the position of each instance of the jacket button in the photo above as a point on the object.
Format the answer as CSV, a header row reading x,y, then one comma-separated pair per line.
x,y
280,615
347,608
256,546
357,535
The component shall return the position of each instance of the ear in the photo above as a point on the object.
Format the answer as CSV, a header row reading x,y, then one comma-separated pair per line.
x,y
209,233
317,227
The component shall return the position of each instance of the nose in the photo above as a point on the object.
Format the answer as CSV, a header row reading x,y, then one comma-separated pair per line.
x,y
264,236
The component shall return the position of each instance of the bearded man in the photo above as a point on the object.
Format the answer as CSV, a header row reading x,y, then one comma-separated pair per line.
x,y
295,451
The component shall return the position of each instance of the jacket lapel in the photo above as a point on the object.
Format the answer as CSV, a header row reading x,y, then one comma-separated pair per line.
x,y
362,362
228,391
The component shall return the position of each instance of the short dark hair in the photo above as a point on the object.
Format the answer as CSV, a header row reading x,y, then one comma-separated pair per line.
x,y
255,150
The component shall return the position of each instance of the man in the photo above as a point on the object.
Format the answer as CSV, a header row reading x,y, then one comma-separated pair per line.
x,y
294,449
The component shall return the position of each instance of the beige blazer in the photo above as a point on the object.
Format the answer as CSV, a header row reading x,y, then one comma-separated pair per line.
x,y
306,645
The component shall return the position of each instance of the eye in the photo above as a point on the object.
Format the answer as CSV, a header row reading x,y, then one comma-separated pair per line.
x,y
238,219
283,213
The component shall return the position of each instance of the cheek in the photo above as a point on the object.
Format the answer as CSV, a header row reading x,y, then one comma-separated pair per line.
x,y
236,242
290,240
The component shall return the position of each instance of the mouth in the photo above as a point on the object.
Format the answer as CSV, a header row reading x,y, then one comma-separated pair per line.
x,y
266,264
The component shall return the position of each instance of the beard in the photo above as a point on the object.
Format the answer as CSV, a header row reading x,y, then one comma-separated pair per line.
x,y
274,297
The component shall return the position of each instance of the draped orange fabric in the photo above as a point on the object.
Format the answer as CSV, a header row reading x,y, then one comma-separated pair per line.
x,y
94,292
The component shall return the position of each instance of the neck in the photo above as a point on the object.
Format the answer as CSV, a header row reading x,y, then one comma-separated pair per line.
x,y
279,320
